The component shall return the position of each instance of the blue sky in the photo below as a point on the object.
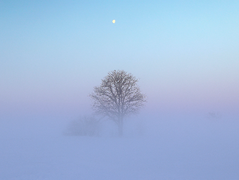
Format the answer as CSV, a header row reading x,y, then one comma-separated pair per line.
x,y
54,52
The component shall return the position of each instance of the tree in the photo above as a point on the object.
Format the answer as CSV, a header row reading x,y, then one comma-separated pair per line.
x,y
118,96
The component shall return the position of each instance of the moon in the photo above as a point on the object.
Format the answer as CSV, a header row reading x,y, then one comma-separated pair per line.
x,y
113,21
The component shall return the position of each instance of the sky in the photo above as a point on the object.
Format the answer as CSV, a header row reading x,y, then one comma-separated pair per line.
x,y
185,54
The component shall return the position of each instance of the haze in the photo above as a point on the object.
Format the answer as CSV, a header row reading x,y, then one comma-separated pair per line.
x,y
185,54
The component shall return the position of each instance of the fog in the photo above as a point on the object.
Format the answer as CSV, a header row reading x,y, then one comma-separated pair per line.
x,y
164,146
185,56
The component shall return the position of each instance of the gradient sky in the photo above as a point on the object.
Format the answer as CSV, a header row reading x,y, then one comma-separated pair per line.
x,y
185,53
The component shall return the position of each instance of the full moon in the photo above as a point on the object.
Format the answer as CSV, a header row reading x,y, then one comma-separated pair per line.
x,y
113,21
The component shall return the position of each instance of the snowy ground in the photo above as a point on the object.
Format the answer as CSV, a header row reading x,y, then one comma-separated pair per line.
x,y
169,150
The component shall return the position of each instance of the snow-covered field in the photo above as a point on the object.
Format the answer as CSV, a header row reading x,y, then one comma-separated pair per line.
x,y
169,149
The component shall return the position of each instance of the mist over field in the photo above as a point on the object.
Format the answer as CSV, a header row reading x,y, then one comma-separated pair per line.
x,y
185,57
162,147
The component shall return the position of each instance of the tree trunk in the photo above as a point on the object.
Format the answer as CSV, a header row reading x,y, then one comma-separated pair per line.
x,y
120,126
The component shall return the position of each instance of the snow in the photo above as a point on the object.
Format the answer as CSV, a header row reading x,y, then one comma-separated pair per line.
x,y
168,150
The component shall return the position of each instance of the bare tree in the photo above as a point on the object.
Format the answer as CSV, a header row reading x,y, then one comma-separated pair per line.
x,y
117,97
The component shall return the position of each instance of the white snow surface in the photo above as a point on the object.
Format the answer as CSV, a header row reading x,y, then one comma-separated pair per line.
x,y
169,149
